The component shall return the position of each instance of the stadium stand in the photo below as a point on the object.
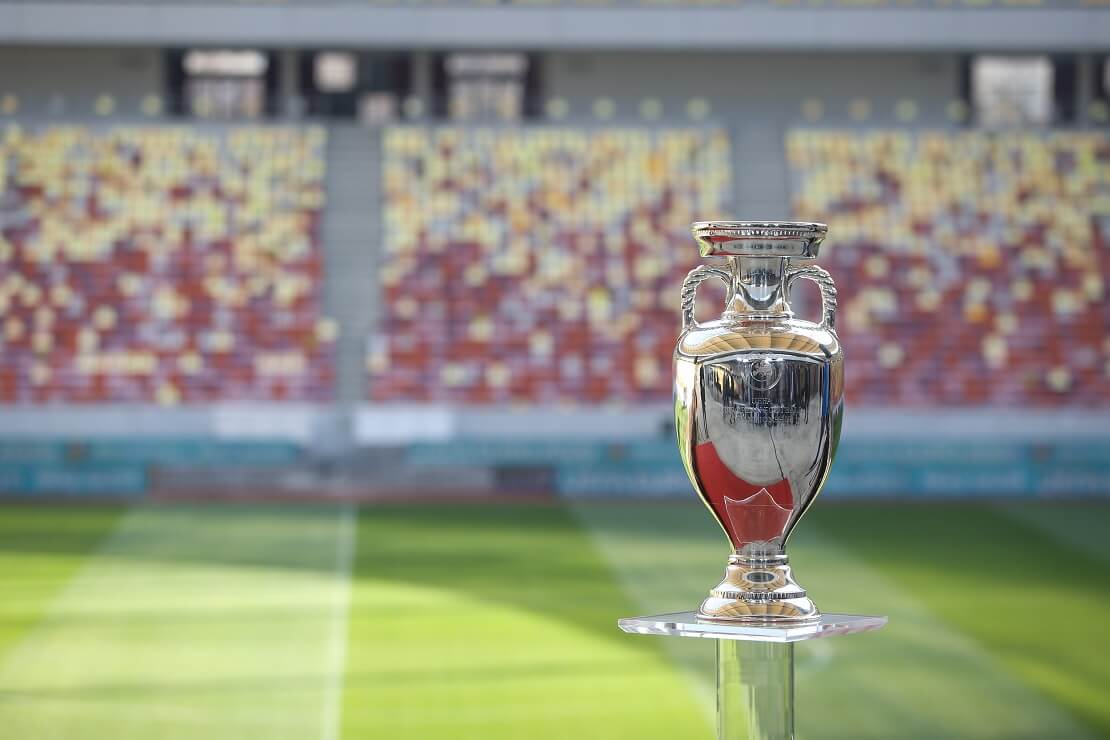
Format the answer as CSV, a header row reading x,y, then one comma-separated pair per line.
x,y
172,264
538,264
973,264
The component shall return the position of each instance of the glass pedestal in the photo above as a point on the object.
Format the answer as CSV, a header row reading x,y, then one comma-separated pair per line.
x,y
755,666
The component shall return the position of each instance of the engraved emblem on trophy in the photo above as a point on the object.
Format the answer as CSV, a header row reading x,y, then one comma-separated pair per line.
x,y
758,396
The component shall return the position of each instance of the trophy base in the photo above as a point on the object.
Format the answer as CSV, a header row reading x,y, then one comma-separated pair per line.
x,y
758,592
788,611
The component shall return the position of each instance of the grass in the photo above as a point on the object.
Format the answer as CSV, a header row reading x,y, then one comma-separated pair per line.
x,y
40,550
497,621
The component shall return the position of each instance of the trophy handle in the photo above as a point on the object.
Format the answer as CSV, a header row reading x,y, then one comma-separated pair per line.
x,y
697,276
828,291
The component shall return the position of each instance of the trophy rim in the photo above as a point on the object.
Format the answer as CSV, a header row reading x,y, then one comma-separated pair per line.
x,y
798,239
815,227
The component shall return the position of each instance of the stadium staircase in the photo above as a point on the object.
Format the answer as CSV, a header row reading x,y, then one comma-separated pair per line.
x,y
351,229
761,189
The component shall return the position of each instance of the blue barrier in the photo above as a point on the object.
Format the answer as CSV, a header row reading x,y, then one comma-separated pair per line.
x,y
584,468
168,452
192,452
629,481
120,467
497,452
32,451
125,481
882,468
508,453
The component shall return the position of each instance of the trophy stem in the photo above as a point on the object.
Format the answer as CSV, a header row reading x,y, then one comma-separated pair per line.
x,y
758,287
755,690
755,665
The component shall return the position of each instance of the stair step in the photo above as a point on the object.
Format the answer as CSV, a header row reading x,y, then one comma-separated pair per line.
x,y
351,230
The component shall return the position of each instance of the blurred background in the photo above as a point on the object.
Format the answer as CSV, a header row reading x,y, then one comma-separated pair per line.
x,y
335,350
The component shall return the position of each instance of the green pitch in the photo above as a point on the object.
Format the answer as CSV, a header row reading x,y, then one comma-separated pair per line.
x,y
497,622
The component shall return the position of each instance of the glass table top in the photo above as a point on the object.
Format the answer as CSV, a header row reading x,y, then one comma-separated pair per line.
x,y
686,624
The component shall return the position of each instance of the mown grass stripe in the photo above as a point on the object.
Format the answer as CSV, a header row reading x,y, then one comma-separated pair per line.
x,y
498,622
205,621
1075,526
1007,587
889,684
41,549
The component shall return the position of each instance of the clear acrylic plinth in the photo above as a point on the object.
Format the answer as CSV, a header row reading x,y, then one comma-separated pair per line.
x,y
686,624
755,666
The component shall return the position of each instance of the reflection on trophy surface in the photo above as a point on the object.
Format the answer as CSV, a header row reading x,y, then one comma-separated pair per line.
x,y
758,404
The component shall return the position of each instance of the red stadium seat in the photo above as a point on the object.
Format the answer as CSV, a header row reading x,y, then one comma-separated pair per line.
x,y
162,263
525,265
972,264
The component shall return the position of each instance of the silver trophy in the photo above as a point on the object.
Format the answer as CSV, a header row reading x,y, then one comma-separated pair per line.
x,y
759,396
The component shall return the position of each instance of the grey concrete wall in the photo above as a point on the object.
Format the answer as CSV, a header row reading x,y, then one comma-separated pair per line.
x,y
742,88
756,87
74,77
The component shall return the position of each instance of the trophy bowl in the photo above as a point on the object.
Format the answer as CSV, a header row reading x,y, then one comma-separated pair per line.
x,y
758,397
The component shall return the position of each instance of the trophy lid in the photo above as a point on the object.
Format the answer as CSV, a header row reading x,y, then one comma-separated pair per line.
x,y
798,239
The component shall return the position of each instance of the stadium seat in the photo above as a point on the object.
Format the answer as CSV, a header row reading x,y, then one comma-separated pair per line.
x,y
973,265
168,264
538,264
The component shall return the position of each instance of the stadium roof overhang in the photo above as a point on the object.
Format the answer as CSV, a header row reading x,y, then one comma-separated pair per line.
x,y
554,26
